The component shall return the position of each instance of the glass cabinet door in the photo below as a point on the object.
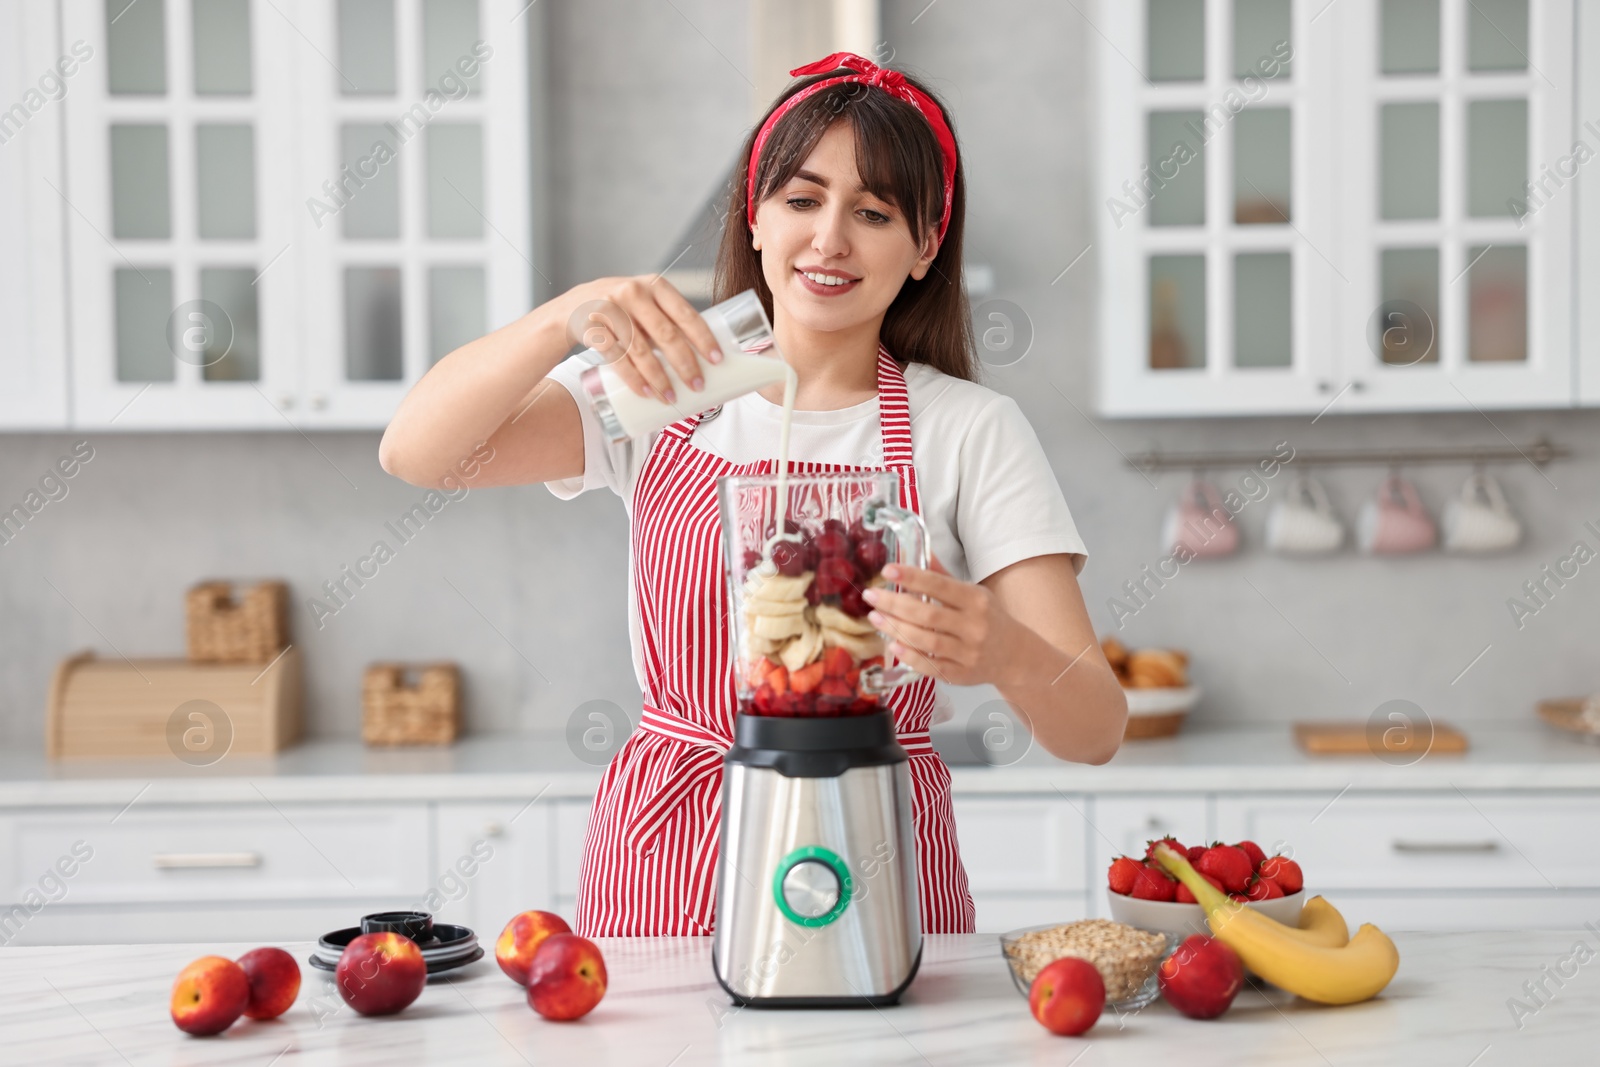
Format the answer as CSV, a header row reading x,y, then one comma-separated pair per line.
x,y
182,309
415,230
1460,227
1212,236
1365,205
282,212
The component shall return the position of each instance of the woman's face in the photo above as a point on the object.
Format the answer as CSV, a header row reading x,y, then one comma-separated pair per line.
x,y
822,224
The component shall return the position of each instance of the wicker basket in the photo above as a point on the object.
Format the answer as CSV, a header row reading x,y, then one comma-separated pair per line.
x,y
396,713
252,630
1158,712
1144,727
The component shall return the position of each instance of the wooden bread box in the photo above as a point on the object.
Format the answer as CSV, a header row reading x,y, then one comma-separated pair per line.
x,y
195,712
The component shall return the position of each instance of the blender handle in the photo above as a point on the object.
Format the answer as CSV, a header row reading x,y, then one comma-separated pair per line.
x,y
910,539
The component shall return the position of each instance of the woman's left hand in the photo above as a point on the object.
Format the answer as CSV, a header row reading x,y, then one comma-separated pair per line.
x,y
963,636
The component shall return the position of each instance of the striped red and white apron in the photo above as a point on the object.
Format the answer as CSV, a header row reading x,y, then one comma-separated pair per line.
x,y
650,855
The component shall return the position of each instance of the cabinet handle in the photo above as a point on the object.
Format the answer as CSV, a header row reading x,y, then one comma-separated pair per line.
x,y
1488,845
1324,386
286,401
1358,387
493,828
181,861
318,401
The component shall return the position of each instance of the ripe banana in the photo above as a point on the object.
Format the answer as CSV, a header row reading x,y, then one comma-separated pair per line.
x,y
1346,974
1320,924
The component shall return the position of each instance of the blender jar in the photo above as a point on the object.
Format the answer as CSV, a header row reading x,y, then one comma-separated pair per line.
x,y
802,643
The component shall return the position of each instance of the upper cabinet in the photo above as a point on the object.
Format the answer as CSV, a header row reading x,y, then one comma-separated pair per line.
x,y
280,213
1362,206
35,77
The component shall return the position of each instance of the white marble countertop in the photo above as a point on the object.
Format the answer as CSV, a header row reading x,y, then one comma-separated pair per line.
x,y
1242,759
1447,1005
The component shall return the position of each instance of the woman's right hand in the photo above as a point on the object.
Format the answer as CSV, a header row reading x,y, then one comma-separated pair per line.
x,y
624,318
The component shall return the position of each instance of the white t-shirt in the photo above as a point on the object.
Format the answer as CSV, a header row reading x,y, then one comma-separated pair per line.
x,y
988,494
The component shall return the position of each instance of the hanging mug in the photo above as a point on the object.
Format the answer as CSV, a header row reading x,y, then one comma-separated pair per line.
x,y
1480,520
1395,522
1200,524
1304,522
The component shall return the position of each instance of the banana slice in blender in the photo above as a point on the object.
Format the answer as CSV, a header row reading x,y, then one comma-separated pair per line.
x,y
776,586
831,618
762,646
763,606
861,646
803,649
778,627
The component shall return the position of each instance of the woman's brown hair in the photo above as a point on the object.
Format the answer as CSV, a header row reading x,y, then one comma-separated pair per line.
x,y
899,161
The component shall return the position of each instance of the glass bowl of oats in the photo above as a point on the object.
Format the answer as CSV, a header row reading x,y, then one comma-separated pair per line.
x,y
1125,956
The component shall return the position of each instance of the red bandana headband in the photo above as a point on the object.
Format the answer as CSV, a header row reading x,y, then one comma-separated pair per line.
x,y
890,81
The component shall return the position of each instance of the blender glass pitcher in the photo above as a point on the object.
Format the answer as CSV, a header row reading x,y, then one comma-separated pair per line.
x,y
802,643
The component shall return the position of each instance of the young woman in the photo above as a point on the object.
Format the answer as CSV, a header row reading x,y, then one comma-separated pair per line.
x,y
846,219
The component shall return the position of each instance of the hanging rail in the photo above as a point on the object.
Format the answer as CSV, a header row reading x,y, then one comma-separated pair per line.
x,y
1539,453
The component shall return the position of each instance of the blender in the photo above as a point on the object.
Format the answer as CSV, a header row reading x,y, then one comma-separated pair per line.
x,y
817,870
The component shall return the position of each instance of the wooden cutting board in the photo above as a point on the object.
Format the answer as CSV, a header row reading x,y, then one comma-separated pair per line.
x,y
1351,739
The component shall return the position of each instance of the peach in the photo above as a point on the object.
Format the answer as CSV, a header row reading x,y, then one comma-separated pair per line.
x,y
209,995
274,982
567,978
1067,996
379,974
1202,977
521,939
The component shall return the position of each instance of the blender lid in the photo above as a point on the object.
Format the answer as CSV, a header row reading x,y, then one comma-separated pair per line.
x,y
807,747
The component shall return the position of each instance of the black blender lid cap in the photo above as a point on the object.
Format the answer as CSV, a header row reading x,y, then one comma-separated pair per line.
x,y
804,747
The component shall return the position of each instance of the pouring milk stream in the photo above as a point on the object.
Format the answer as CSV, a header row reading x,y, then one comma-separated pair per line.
x,y
750,361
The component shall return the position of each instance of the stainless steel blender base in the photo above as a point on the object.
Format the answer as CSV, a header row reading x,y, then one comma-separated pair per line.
x,y
817,889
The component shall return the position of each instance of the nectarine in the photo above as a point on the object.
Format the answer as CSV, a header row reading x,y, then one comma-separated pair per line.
x,y
567,978
209,995
379,974
521,938
274,982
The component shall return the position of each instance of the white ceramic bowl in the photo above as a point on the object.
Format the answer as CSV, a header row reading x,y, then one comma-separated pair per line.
x,y
1163,701
1185,919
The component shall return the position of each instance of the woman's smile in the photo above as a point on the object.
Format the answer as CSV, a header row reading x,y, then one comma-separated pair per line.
x,y
826,282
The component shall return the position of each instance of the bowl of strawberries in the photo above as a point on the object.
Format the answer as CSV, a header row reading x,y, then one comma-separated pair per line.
x,y
1144,895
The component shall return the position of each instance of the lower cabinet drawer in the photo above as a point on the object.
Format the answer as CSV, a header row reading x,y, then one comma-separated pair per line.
x,y
1448,912
216,853
1021,845
571,824
150,924
1124,824
1450,841
1002,912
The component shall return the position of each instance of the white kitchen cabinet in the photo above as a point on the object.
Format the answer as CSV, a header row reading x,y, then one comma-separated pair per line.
x,y
1022,845
33,88
231,852
1447,841
277,215
999,913
493,860
263,922
1308,207
1024,858
1123,825
282,871
571,823
1581,178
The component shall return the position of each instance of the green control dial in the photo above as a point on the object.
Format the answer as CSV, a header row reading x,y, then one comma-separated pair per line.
x,y
812,886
